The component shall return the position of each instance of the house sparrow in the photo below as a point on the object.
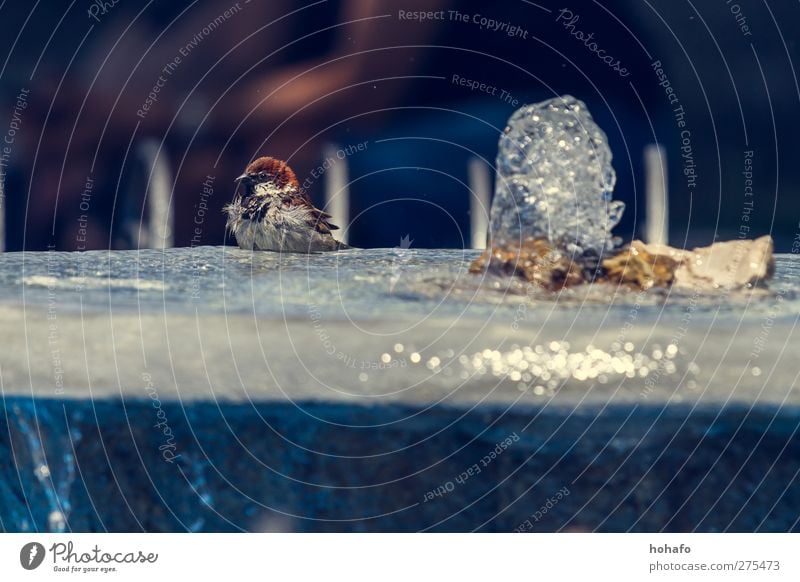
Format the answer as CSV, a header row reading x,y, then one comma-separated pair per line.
x,y
273,214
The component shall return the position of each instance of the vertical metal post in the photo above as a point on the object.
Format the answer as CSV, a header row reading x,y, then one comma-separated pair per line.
x,y
657,196
337,191
480,187
160,232
2,211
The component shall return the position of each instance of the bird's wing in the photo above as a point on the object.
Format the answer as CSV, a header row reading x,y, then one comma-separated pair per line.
x,y
320,221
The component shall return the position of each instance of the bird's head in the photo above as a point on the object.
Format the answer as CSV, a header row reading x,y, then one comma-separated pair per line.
x,y
268,176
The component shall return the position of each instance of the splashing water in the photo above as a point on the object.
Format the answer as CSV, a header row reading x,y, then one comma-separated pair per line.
x,y
554,179
55,473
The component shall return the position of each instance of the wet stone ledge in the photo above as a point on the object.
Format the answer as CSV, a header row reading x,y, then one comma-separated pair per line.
x,y
386,390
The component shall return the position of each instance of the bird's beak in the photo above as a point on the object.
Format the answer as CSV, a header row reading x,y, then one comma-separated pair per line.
x,y
241,178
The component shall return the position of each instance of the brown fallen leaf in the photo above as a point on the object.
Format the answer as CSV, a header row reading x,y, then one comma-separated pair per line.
x,y
725,265
535,260
638,267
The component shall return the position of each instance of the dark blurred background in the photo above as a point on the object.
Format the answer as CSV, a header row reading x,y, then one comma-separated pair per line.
x,y
234,80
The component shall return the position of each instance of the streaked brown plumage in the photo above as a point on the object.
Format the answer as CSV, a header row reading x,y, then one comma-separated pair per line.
x,y
274,214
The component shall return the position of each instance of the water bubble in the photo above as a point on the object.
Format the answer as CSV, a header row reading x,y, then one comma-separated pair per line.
x,y
56,522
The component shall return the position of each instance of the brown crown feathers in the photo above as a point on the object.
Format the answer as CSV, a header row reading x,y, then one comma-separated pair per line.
x,y
273,169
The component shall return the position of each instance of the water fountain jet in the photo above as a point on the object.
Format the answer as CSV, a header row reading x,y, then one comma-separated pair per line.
x,y
553,213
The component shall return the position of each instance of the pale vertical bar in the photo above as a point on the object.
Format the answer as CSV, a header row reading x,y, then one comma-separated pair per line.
x,y
480,187
2,211
657,195
337,191
160,233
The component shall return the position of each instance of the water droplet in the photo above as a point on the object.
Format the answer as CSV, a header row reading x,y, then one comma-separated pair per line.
x,y
56,522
